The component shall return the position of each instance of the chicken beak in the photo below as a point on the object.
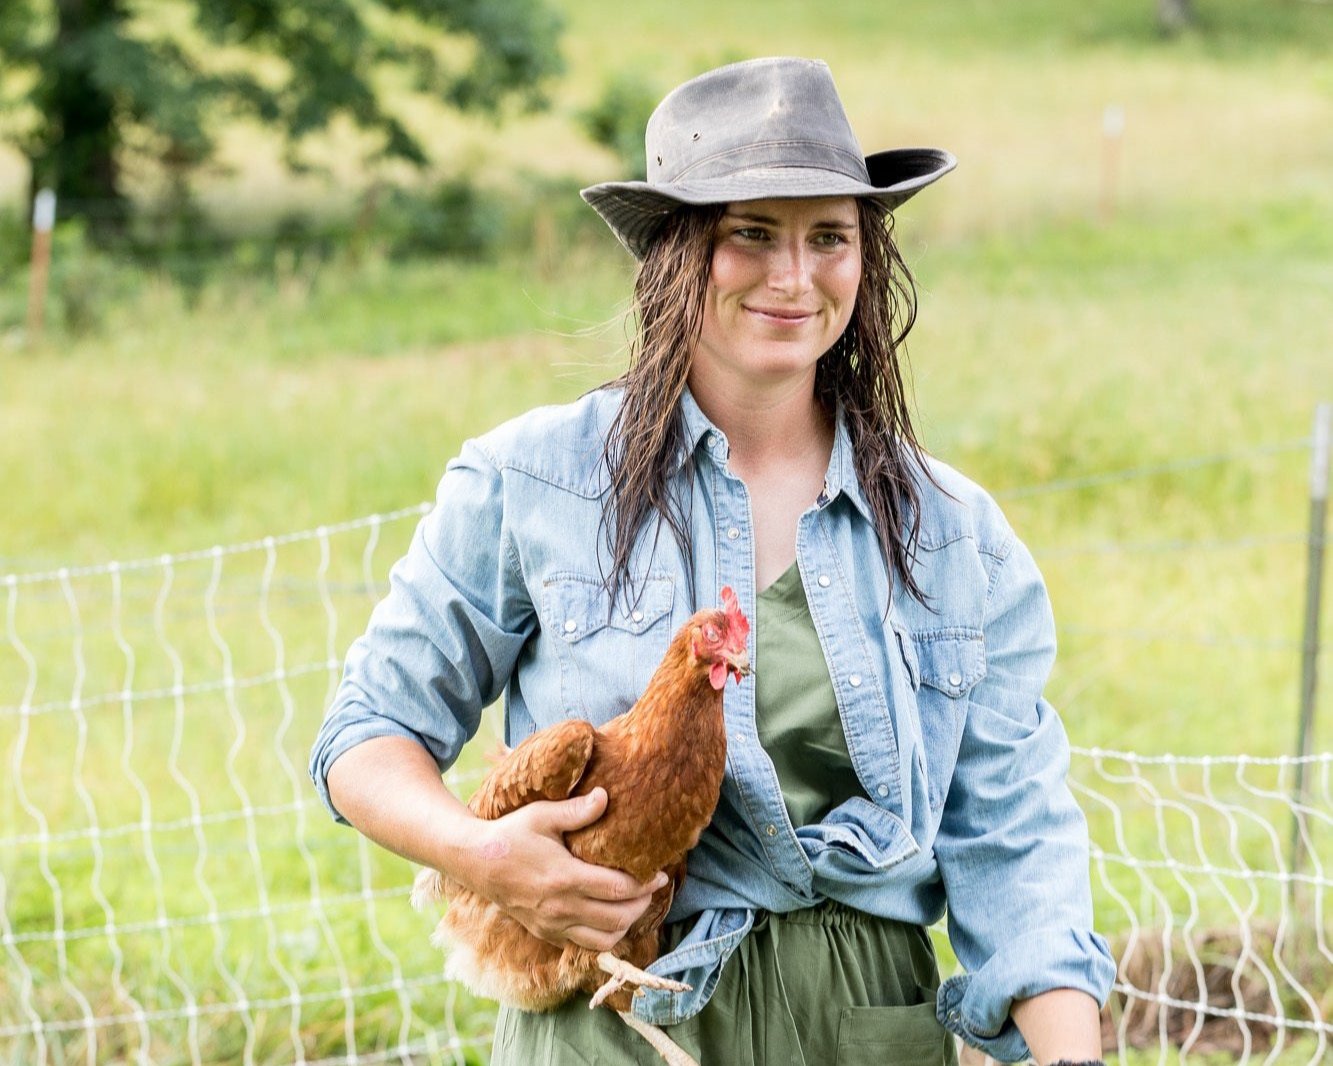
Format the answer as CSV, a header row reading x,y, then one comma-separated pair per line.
x,y
740,664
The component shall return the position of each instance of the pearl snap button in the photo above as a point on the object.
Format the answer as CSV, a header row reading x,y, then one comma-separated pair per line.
x,y
883,790
771,830
955,679
637,616
824,581
854,680
570,625
733,533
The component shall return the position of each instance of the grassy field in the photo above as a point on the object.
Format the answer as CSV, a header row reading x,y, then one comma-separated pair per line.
x,y
1055,343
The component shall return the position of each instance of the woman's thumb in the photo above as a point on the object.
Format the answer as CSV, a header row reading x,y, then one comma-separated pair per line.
x,y
581,810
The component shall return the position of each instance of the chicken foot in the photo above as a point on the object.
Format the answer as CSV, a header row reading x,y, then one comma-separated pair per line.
x,y
670,1051
622,973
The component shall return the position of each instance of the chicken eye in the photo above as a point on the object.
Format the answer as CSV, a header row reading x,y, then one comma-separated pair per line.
x,y
711,634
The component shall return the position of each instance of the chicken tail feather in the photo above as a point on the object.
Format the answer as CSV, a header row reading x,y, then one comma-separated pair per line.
x,y
428,888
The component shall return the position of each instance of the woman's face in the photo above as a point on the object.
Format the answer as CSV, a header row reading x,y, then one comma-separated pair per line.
x,y
781,290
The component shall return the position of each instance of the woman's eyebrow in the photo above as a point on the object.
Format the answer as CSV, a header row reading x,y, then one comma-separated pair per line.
x,y
767,220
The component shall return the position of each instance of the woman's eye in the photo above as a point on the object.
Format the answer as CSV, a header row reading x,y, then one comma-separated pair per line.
x,y
830,239
750,233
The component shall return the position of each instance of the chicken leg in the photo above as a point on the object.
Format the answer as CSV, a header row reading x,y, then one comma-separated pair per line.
x,y
671,1052
622,973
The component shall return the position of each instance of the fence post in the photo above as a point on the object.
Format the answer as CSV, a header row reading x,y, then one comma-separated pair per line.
x,y
43,222
1319,467
1113,135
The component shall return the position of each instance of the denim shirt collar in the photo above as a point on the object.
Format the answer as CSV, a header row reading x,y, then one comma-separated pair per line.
x,y
697,427
839,480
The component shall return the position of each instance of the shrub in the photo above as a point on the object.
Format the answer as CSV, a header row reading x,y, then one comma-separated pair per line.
x,y
617,120
453,219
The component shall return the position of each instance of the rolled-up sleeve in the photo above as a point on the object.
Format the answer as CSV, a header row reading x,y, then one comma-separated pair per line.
x,y
1013,844
441,645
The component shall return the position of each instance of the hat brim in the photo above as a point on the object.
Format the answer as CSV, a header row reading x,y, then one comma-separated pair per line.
x,y
635,210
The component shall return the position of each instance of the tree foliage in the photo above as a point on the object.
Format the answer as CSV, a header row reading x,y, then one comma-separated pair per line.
x,y
618,117
92,80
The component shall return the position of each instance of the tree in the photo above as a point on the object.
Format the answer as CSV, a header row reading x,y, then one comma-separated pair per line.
x,y
92,81
1173,16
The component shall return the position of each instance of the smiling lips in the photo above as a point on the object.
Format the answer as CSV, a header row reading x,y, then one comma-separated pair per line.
x,y
781,316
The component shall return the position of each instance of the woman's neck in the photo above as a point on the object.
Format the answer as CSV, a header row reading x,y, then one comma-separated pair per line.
x,y
780,423
781,440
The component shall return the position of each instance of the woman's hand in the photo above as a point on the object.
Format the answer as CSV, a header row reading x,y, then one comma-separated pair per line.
x,y
520,863
390,789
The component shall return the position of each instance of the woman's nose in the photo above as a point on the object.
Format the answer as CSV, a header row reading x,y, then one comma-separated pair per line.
x,y
789,268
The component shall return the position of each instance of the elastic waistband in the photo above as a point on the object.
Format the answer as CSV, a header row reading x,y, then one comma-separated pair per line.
x,y
832,914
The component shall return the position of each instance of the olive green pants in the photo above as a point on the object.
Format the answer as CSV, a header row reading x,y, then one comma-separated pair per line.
x,y
828,986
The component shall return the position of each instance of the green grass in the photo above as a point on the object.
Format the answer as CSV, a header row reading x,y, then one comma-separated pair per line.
x,y
266,409
1053,343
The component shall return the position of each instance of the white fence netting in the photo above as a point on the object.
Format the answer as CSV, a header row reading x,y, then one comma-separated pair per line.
x,y
171,890
1214,873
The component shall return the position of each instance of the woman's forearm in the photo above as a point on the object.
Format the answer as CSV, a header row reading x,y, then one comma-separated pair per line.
x,y
390,789
1060,1025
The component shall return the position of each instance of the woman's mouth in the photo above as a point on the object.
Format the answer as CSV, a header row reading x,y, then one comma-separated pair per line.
x,y
781,316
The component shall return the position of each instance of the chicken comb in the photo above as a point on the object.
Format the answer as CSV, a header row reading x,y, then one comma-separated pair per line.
x,y
737,623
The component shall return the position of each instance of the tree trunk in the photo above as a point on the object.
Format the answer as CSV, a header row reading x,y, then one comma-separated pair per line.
x,y
1173,16
81,139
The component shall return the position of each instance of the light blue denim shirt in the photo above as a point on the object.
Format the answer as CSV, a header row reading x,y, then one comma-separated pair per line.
x,y
961,758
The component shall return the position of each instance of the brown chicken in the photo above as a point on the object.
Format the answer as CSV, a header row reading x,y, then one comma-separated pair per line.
x,y
661,763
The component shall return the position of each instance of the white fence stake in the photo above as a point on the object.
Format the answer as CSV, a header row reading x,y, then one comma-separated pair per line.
x,y
1113,134
1319,466
43,222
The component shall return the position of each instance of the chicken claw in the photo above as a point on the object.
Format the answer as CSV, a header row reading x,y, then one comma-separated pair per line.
x,y
622,973
671,1052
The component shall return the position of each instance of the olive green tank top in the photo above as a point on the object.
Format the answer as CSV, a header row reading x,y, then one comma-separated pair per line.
x,y
795,708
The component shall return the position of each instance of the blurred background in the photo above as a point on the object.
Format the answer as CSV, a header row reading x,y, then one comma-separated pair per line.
x,y
302,251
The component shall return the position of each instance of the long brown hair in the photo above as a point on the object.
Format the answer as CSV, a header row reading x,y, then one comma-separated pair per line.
x,y
862,370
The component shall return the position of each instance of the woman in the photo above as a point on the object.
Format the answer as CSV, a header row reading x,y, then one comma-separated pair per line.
x,y
895,753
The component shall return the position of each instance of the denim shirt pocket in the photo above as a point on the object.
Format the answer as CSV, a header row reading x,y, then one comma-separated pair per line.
x,y
607,652
944,666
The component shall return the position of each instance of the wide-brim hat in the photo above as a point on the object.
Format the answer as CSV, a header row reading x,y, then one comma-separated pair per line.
x,y
758,130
